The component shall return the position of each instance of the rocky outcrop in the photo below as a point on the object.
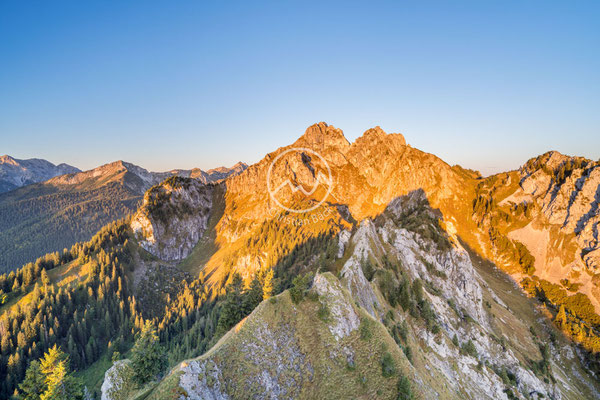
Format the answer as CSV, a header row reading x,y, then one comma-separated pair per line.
x,y
173,217
114,380
567,190
352,273
345,318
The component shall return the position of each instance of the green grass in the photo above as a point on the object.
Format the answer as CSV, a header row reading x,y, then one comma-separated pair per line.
x,y
93,376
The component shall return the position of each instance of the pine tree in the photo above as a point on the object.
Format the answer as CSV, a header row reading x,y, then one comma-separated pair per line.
x,y
232,311
253,296
561,316
60,384
148,356
34,383
45,280
268,284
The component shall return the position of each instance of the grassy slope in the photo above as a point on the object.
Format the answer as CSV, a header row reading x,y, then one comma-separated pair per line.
x,y
325,372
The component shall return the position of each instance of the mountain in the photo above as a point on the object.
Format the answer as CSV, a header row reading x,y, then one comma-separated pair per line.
x,y
52,215
401,306
368,176
15,173
328,269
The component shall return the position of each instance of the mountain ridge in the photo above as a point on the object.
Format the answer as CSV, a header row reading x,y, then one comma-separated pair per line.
x,y
15,173
48,216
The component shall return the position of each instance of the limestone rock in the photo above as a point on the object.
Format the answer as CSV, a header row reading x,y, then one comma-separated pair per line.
x,y
173,217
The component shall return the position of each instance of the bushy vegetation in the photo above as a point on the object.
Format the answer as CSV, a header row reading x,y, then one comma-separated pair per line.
x,y
575,316
300,285
388,366
238,303
50,378
148,357
365,328
469,348
404,389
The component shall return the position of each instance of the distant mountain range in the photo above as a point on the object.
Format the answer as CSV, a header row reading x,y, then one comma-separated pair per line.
x,y
15,173
47,208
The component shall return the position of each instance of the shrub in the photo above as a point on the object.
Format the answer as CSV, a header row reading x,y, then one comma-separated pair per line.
x,y
299,286
388,367
368,270
408,353
403,330
404,389
469,348
365,329
455,340
323,313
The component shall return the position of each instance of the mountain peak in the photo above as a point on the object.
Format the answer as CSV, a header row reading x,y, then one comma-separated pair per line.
x,y
6,159
377,134
322,135
15,173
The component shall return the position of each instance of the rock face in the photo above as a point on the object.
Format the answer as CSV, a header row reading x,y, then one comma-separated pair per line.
x,y
15,173
173,217
564,195
345,318
352,273
402,280
113,380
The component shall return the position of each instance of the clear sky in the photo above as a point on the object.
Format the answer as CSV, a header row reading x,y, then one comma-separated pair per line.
x,y
176,84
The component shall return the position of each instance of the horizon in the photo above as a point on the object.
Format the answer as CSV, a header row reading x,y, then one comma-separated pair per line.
x,y
486,86
260,157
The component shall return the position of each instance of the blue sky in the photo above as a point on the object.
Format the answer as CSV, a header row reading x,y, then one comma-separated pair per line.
x,y
486,84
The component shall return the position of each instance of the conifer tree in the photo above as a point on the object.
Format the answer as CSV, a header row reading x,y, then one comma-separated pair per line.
x,y
253,297
232,311
58,383
45,280
148,356
561,316
268,284
34,383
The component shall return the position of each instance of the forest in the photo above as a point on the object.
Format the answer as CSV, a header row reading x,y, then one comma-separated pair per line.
x,y
40,218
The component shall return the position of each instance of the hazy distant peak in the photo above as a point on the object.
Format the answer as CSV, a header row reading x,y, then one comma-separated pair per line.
x,y
15,173
6,159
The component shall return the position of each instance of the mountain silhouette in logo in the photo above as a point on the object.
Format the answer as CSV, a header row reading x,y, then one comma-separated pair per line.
x,y
321,179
